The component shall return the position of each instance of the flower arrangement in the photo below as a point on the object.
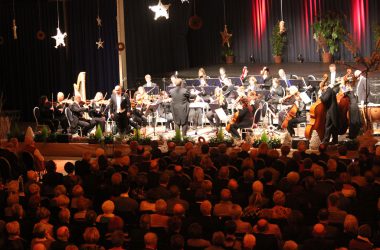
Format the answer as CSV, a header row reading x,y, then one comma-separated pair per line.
x,y
272,140
220,138
180,140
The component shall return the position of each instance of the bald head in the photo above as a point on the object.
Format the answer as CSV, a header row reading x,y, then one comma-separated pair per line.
x,y
249,241
318,230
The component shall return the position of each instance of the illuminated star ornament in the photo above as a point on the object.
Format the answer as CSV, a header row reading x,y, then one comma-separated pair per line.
x,y
100,43
59,38
225,36
185,1
160,10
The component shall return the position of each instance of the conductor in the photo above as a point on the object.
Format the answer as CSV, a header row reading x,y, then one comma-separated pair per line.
x,y
180,106
120,107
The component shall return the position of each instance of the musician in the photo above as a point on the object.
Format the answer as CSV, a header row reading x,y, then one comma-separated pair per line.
x,y
300,114
173,79
244,74
361,87
149,83
276,92
120,108
223,76
283,76
164,110
266,77
253,86
77,109
202,74
328,98
97,110
219,99
349,89
180,106
138,118
333,74
59,111
47,114
244,118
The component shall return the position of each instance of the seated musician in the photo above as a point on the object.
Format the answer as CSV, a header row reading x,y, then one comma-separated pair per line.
x,y
97,110
244,118
202,74
244,75
139,113
300,115
47,114
253,86
276,92
149,82
283,76
77,120
266,77
59,111
219,99
223,76
164,109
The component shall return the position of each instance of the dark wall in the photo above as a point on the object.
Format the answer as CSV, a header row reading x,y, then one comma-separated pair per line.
x,y
30,68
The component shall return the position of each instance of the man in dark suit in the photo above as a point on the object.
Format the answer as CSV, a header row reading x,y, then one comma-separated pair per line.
x,y
276,91
328,98
77,118
180,106
284,76
149,82
120,107
361,87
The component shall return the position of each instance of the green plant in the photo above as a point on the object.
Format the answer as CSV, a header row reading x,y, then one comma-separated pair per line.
x,y
278,40
44,133
178,136
98,133
329,32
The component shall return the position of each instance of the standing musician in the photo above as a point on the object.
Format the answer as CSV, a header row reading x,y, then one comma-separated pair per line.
x,y
164,110
78,107
244,118
149,83
361,87
120,107
328,98
47,113
219,99
334,76
59,111
97,110
300,115
180,106
348,88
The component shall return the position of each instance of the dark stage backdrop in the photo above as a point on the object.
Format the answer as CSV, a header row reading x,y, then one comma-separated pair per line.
x,y
165,45
30,68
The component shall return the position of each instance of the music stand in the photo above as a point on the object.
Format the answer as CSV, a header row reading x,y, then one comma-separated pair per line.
x,y
213,82
305,98
153,108
221,115
236,81
296,82
151,90
192,82
259,79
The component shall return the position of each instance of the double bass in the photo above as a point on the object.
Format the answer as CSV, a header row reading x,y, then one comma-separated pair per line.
x,y
343,105
317,115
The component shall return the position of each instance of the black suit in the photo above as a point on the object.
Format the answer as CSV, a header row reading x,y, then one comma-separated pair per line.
x,y
120,117
180,107
78,120
328,98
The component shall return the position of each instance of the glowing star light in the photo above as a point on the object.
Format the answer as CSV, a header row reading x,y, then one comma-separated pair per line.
x,y
100,43
59,38
99,21
185,1
160,10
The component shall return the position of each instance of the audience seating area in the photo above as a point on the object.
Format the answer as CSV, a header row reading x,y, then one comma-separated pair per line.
x,y
205,198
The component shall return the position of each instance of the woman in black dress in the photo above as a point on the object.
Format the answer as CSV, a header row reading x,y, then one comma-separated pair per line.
x,y
244,119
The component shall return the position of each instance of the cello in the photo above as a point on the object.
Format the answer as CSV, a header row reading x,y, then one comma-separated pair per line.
x,y
292,111
317,115
343,106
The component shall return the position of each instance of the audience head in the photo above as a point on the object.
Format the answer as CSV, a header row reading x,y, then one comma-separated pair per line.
x,y
150,240
225,195
161,206
290,245
91,235
108,207
249,242
63,233
319,230
257,187
218,239
350,224
206,208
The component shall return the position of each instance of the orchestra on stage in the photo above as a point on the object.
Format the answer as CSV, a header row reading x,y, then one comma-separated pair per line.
x,y
329,106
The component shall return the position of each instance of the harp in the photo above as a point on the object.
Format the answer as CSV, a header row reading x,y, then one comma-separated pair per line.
x,y
80,86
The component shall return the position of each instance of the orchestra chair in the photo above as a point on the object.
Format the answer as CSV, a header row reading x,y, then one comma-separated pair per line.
x,y
69,117
250,129
36,115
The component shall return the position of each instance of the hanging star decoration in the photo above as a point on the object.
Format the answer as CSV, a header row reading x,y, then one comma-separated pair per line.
x,y
160,10
185,1
99,21
225,36
59,38
282,27
100,43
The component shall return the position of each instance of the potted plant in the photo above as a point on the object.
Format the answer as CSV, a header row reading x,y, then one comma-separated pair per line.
x,y
278,41
328,33
228,54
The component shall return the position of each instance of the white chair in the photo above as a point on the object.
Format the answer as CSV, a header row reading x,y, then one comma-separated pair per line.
x,y
36,114
251,128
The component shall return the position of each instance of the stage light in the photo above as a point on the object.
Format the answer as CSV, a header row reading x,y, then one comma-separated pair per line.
x,y
160,10
300,58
